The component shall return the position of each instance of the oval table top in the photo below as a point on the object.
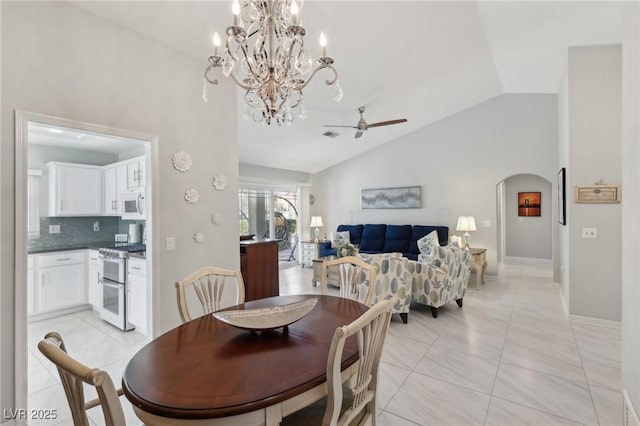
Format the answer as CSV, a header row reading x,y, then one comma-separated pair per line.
x,y
208,369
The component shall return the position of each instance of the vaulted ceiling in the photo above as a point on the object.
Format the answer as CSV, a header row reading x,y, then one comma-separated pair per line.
x,y
420,60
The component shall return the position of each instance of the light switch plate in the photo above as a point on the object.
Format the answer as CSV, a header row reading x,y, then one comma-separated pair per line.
x,y
54,229
486,224
96,226
590,233
171,243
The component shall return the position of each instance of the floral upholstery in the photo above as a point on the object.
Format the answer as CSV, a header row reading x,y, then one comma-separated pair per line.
x,y
392,280
443,280
427,245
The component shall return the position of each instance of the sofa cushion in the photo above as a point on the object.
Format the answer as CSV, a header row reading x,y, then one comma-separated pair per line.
x,y
373,238
420,231
397,238
339,238
355,232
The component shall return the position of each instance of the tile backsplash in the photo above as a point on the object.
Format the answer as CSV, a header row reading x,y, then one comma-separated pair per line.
x,y
74,230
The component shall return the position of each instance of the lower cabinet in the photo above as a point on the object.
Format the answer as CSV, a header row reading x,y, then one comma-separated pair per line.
x,y
137,294
94,293
62,281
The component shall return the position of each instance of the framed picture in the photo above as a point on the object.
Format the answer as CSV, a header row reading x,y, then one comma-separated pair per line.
x,y
529,204
598,194
391,198
562,196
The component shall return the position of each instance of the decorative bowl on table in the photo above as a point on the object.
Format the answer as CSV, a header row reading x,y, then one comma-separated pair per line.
x,y
267,318
247,237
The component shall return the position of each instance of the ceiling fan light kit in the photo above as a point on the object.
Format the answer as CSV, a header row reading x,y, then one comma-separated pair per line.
x,y
265,55
362,125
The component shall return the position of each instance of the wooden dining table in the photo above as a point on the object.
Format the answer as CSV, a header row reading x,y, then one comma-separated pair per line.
x,y
206,372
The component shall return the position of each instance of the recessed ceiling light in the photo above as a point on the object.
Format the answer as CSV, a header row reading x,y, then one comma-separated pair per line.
x,y
53,130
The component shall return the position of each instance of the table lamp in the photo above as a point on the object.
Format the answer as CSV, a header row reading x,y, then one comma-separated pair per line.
x,y
316,221
466,224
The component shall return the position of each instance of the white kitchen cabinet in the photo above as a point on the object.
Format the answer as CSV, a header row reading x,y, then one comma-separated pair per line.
x,y
115,184
31,284
137,294
75,189
94,295
136,173
62,280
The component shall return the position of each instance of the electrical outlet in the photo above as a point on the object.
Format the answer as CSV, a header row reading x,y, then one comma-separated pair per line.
x,y
96,226
590,233
486,224
54,229
171,243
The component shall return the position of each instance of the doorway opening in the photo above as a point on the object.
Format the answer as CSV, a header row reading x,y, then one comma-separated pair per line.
x,y
71,182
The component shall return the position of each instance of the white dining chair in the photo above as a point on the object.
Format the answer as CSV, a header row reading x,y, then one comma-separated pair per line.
x,y
73,375
355,278
208,283
354,402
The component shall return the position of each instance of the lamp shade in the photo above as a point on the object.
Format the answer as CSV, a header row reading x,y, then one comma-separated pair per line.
x,y
316,221
466,223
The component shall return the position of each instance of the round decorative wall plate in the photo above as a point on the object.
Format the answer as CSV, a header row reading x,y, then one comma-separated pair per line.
x,y
191,196
216,218
220,182
181,161
198,237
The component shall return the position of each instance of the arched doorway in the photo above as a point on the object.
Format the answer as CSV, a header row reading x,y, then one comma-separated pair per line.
x,y
525,217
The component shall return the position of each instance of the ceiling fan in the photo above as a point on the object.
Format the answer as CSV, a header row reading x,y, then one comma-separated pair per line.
x,y
362,125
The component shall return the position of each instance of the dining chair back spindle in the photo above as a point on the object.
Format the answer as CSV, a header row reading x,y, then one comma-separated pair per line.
x,y
208,284
73,374
355,278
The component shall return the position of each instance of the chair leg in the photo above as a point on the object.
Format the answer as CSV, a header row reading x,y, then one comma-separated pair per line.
x,y
405,317
434,311
459,302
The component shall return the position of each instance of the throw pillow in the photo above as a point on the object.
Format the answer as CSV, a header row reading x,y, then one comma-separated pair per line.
x,y
428,242
339,238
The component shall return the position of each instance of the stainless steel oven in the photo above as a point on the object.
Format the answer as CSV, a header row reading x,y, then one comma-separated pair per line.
x,y
113,283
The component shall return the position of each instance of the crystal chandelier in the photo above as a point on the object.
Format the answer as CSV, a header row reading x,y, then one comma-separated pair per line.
x,y
265,55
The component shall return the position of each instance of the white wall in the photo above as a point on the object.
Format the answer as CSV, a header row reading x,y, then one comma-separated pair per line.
x,y
592,141
457,161
59,60
528,237
631,204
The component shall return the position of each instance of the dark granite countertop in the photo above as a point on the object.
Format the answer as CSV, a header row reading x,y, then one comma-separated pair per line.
x,y
139,255
78,246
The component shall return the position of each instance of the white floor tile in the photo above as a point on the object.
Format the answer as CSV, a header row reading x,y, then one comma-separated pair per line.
x,y
505,413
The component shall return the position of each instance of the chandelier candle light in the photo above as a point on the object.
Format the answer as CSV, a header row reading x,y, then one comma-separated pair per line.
x,y
466,224
265,55
316,221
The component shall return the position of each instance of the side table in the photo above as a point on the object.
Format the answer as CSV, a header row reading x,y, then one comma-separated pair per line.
x,y
317,271
310,252
478,264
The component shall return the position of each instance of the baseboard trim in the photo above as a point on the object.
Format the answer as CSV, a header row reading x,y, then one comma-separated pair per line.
x,y
508,259
596,321
630,417
53,314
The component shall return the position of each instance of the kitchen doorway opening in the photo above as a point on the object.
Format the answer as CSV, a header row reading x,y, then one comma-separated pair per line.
x,y
67,200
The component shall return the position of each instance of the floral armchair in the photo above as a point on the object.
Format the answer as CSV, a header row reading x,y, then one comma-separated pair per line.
x,y
392,280
442,280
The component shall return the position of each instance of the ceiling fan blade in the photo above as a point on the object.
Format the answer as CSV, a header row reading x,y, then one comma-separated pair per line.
x,y
387,123
358,134
331,125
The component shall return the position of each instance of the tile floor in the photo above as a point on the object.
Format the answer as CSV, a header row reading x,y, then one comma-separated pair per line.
x,y
508,357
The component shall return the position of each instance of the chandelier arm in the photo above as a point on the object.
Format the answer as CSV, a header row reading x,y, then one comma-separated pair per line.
x,y
206,75
318,68
245,52
232,74
288,62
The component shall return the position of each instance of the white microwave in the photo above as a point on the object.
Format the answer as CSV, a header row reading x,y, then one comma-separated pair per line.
x,y
132,206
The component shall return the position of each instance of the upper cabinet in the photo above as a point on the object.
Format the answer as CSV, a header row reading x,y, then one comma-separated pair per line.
x,y
75,189
136,173
115,183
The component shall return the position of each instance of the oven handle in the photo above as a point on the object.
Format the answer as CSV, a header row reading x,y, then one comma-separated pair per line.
x,y
115,286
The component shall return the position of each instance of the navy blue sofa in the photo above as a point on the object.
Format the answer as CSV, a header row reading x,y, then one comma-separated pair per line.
x,y
380,238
